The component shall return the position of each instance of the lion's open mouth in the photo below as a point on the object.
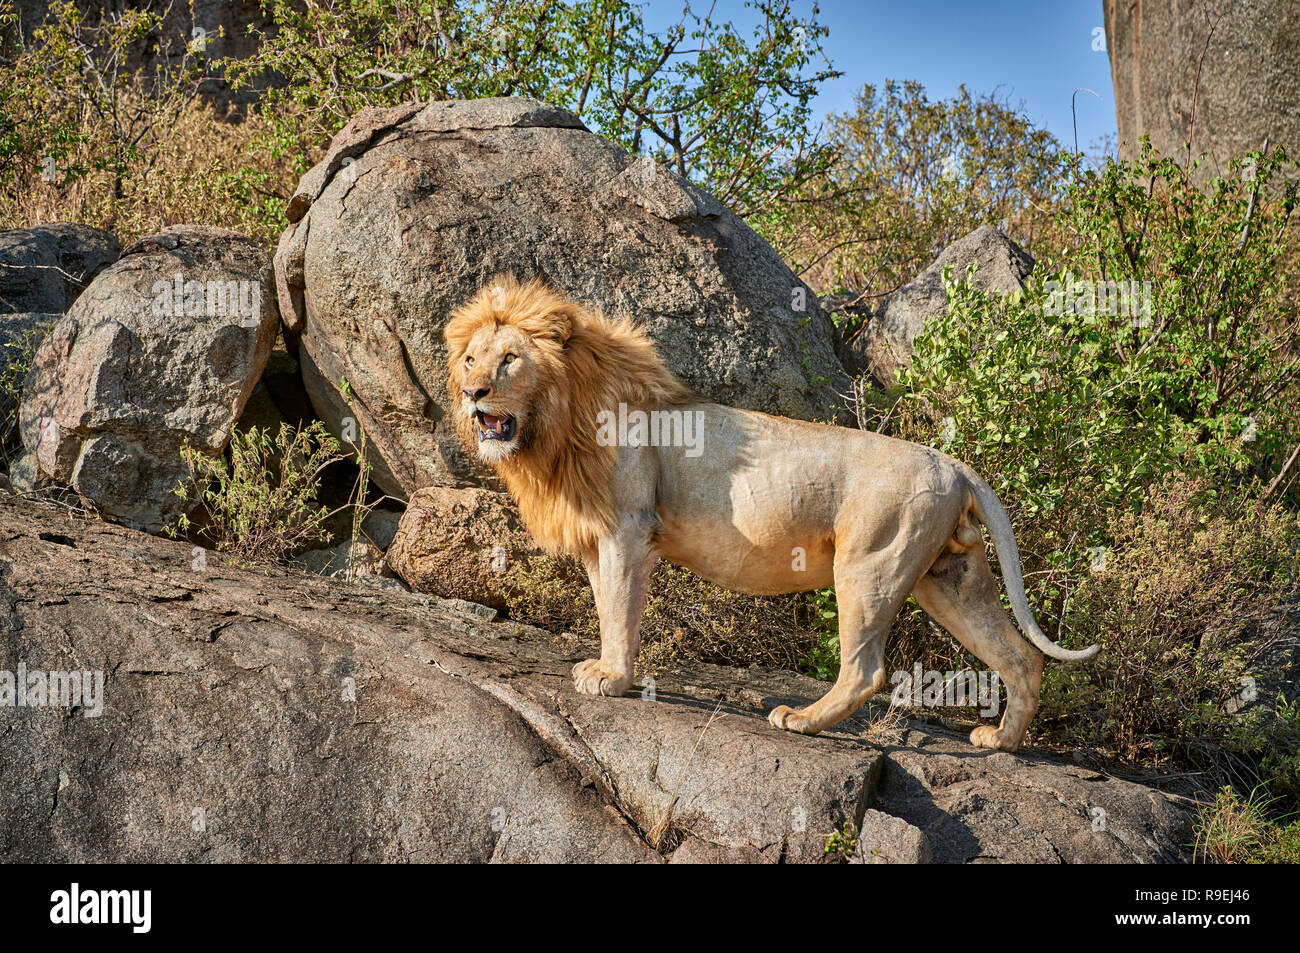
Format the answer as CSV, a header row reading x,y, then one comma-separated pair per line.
x,y
492,427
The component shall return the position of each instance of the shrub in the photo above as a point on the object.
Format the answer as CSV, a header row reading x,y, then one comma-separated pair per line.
x,y
15,360
260,507
1141,457
823,660
85,138
730,111
909,176
1195,588
1231,830
1219,350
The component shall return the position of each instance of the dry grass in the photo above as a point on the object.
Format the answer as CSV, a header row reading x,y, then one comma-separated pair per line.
x,y
660,831
208,170
885,726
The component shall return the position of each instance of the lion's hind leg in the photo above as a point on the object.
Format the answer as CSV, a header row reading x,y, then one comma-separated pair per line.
x,y
961,593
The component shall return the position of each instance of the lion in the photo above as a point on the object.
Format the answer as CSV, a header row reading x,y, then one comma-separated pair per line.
x,y
570,409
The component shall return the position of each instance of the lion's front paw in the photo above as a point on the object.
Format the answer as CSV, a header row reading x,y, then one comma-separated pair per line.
x,y
594,677
788,719
986,736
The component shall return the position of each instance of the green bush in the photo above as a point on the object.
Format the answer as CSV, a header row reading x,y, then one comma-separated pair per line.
x,y
260,506
1069,408
730,111
1139,451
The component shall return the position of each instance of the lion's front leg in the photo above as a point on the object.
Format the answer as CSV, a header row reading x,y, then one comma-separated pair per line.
x,y
620,576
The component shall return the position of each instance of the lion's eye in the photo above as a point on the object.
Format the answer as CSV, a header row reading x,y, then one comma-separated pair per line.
x,y
509,359
469,361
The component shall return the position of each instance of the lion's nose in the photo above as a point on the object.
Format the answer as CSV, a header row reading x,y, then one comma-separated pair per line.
x,y
475,393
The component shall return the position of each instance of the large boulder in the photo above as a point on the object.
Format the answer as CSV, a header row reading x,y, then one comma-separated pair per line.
x,y
273,717
162,350
1227,76
885,347
415,207
43,269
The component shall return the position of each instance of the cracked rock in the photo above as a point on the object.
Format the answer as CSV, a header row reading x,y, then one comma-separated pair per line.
x,y
274,716
162,350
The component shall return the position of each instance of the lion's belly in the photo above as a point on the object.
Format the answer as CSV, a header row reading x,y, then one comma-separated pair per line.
x,y
753,511
724,555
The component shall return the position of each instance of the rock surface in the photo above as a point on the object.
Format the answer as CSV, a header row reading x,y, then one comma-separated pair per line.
x,y
43,269
885,347
163,349
279,717
459,544
1226,75
414,208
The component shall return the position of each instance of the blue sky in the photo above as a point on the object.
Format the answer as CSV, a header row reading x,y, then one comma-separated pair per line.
x,y
1035,51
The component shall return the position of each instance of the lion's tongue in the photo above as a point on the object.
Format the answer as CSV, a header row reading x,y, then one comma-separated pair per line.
x,y
493,423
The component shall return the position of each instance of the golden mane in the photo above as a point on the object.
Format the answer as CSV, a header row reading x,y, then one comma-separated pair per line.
x,y
562,479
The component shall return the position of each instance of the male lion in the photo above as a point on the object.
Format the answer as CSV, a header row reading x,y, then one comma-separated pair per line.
x,y
752,502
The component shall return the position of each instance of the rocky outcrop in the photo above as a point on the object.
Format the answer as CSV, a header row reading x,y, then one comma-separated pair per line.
x,y
43,269
460,544
415,207
885,347
163,349
278,717
1227,76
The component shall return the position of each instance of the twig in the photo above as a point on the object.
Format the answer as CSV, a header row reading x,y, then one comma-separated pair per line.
x,y
1196,86
1277,480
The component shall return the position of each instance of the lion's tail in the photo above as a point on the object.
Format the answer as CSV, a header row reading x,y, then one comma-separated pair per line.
x,y
989,509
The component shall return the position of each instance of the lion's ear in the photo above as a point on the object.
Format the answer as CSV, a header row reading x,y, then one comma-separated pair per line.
x,y
559,327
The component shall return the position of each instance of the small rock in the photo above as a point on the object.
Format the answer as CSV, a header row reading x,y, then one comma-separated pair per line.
x,y
885,347
459,543
884,839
